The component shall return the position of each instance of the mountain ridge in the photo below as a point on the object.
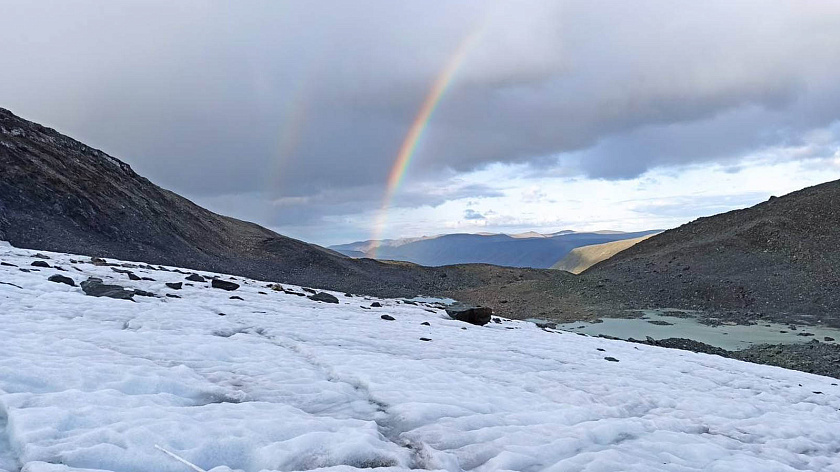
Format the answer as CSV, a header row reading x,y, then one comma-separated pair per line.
x,y
534,250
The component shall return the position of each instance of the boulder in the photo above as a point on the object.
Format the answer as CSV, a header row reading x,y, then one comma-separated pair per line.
x,y
175,285
62,280
223,284
323,297
477,315
196,278
95,288
40,264
387,317
376,305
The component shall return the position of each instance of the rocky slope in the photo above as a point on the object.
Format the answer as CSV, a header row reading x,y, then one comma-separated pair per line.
x,y
58,194
780,258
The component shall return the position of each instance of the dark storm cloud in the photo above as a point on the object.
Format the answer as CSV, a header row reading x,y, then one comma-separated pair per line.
x,y
311,100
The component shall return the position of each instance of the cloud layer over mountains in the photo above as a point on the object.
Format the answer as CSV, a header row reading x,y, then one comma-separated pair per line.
x,y
299,108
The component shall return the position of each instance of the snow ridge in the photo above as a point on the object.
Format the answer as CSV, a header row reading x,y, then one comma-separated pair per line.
x,y
272,381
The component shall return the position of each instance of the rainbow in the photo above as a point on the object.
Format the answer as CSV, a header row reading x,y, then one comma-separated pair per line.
x,y
421,122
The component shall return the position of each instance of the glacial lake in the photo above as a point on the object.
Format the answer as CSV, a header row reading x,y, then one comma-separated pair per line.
x,y
731,337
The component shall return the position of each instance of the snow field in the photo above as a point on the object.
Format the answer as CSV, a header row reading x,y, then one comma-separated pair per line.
x,y
281,382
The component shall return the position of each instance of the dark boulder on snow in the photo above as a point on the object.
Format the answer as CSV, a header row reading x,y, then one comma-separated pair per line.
x,y
223,284
196,278
62,280
477,315
388,318
174,285
376,305
323,297
95,288
40,264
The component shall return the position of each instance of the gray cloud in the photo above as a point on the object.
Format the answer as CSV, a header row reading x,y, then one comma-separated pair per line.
x,y
310,101
470,214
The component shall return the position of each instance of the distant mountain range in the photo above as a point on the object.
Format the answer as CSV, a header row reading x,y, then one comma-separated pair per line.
x,y
531,249
581,258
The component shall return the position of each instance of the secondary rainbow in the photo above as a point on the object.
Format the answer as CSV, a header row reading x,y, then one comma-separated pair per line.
x,y
421,122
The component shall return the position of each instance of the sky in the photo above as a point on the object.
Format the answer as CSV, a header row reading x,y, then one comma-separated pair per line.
x,y
341,121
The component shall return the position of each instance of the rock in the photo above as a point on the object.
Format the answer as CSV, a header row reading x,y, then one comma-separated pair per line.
x,y
545,324
7,264
95,288
98,261
611,359
323,297
133,276
41,256
196,278
23,270
409,302
601,349
828,338
277,288
425,339
425,323
388,317
62,280
40,264
376,305
348,295
236,297
143,293
223,284
497,320
175,285
172,295
309,290
477,315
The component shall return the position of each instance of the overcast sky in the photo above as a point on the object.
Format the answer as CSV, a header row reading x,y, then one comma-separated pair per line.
x,y
562,115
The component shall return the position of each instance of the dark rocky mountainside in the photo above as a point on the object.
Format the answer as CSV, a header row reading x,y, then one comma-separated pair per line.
x,y
780,258
58,194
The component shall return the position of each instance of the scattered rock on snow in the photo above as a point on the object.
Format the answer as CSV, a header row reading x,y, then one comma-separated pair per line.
x,y
196,278
7,264
236,297
611,359
224,284
477,315
175,285
40,264
425,339
323,297
388,317
94,287
62,280
425,323
376,305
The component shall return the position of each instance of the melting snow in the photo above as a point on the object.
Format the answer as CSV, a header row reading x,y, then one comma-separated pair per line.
x,y
281,382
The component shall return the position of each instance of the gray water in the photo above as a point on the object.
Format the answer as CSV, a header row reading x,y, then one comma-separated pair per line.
x,y
727,336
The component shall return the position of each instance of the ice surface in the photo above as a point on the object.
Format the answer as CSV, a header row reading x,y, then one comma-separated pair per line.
x,y
282,382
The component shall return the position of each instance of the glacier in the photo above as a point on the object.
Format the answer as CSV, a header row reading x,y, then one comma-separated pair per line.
x,y
279,382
